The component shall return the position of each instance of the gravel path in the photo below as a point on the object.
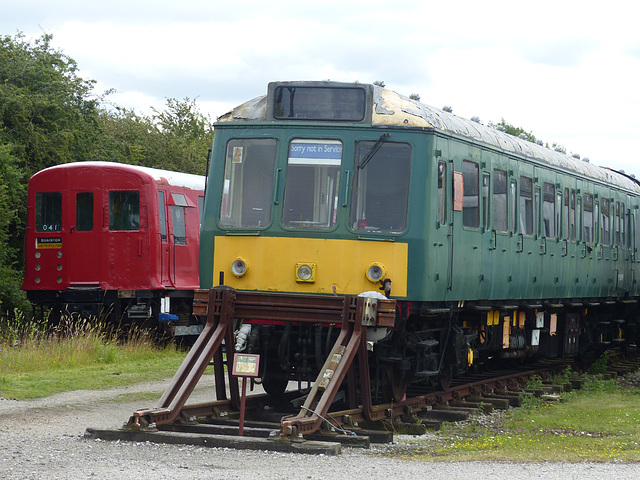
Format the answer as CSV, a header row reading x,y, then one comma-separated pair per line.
x,y
44,439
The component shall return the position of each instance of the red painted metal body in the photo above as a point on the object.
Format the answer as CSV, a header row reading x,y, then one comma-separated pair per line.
x,y
126,234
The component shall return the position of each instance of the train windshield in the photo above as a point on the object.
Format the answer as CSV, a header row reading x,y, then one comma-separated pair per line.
x,y
49,212
312,184
380,187
248,183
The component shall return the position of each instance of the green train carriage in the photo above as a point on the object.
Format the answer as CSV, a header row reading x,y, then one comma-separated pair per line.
x,y
494,247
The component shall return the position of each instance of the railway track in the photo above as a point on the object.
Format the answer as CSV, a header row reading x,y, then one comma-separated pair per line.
x,y
217,424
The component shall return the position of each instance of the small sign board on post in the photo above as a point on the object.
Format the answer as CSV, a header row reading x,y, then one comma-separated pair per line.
x,y
245,365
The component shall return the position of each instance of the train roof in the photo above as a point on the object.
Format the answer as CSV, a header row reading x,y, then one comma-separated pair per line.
x,y
161,177
392,109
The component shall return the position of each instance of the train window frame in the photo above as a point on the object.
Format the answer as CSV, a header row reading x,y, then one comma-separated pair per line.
x,y
500,203
178,222
163,215
471,194
587,224
486,182
548,210
376,183
623,219
537,210
442,193
48,214
251,209
513,201
616,223
312,205
84,211
572,215
123,220
605,224
319,103
526,206
566,232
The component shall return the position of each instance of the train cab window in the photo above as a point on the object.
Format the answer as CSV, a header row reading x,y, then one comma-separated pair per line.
x,y
84,211
588,218
442,175
177,220
380,192
124,210
605,227
49,212
500,205
248,183
471,197
312,184
549,211
163,216
526,206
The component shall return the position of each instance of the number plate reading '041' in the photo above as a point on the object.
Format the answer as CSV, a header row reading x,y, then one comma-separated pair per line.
x,y
49,242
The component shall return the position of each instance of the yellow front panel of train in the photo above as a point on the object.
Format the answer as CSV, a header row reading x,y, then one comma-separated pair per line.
x,y
310,265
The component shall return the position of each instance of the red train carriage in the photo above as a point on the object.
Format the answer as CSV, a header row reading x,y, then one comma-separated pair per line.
x,y
115,241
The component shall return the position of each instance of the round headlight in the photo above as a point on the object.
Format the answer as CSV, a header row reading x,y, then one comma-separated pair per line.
x,y
305,272
239,267
375,272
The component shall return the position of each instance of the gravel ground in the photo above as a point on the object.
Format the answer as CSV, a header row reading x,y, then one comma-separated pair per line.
x,y
44,439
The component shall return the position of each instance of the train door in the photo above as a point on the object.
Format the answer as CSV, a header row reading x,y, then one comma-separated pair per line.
x,y
181,254
83,242
525,241
500,228
165,250
466,238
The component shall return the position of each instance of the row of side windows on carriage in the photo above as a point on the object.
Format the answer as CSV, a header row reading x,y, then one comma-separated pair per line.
x,y
123,212
499,201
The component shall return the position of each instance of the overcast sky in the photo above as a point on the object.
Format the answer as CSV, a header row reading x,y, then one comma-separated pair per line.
x,y
567,71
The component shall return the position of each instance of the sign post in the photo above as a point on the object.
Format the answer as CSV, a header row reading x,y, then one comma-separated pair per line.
x,y
245,365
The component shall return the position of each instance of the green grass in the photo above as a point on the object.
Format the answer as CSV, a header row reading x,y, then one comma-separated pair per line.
x,y
78,356
599,423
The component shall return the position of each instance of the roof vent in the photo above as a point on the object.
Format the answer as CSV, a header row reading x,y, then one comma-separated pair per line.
x,y
447,108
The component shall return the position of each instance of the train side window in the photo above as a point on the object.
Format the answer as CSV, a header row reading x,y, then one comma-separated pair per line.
x,y
471,197
558,211
536,213
163,216
616,223
179,231
513,201
500,201
549,211
442,175
485,200
566,234
124,210
622,225
49,212
312,184
572,215
200,207
380,192
605,228
588,218
247,194
84,211
526,206
578,218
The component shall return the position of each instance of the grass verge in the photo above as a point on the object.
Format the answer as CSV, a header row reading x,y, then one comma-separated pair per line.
x,y
599,423
79,355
